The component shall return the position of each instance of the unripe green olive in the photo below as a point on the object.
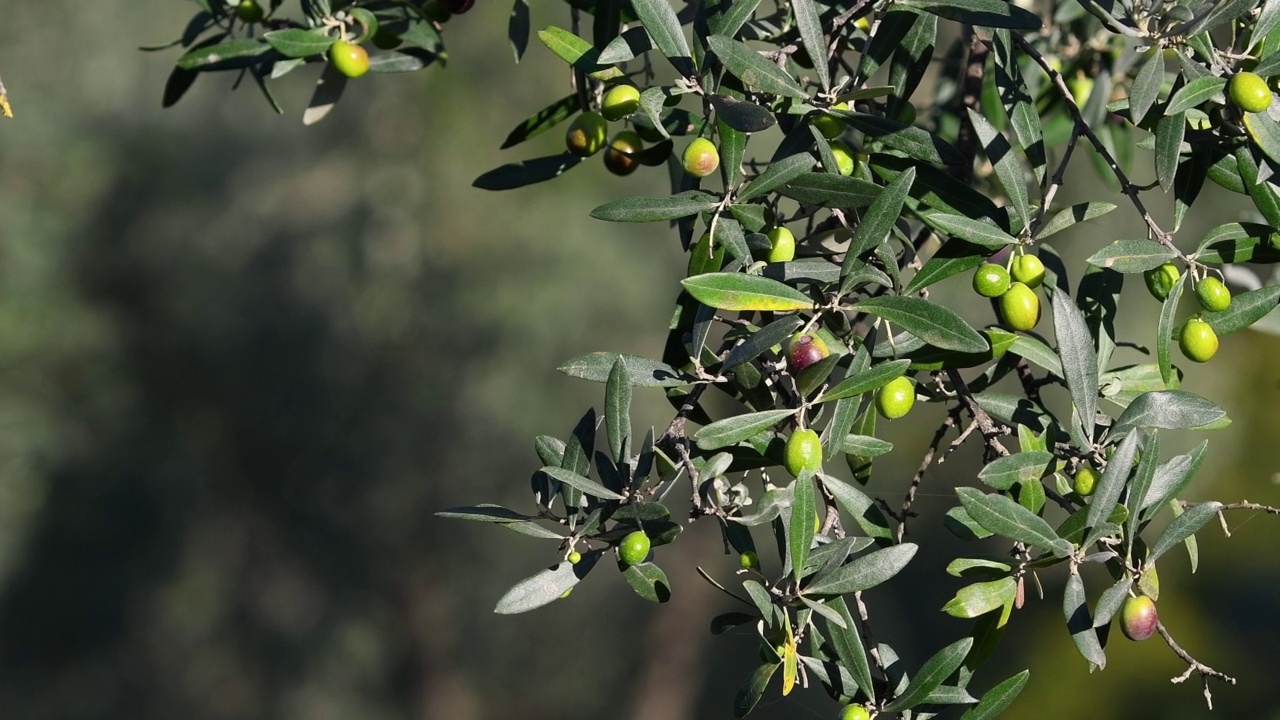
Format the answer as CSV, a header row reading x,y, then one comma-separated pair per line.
x,y
990,280
1085,481
1212,294
619,102
896,398
782,245
1198,341
1249,92
749,560
854,712
1020,307
349,59
634,548
249,11
1160,281
845,162
1028,270
803,452
586,134
575,557
830,126
701,158
1138,618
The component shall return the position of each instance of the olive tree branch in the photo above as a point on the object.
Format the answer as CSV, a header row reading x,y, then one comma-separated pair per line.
x,y
991,431
953,418
1127,187
1193,666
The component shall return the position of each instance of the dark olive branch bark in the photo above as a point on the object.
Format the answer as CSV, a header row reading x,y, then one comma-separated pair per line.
x,y
991,431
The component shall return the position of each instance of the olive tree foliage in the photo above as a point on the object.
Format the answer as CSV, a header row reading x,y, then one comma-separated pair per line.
x,y
903,143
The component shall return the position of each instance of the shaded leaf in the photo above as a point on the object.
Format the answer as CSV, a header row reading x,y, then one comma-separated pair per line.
x,y
526,172
656,209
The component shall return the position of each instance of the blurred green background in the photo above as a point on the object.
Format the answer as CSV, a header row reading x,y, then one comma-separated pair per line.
x,y
244,362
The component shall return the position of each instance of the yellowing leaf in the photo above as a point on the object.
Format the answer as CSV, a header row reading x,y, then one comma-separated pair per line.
x,y
738,292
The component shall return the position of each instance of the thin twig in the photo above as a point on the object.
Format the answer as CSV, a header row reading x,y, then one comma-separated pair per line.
x,y
1126,186
1193,666
941,432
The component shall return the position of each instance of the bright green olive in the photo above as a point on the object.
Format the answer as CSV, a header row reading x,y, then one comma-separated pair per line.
x,y
803,452
701,158
619,102
1249,92
1028,270
1020,307
749,560
1085,481
349,59
830,126
854,712
1198,341
1160,281
990,280
575,557
1212,294
844,158
782,245
896,398
634,548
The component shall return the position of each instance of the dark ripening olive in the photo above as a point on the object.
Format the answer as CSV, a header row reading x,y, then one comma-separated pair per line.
x,y
620,156
805,349
586,134
1138,618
